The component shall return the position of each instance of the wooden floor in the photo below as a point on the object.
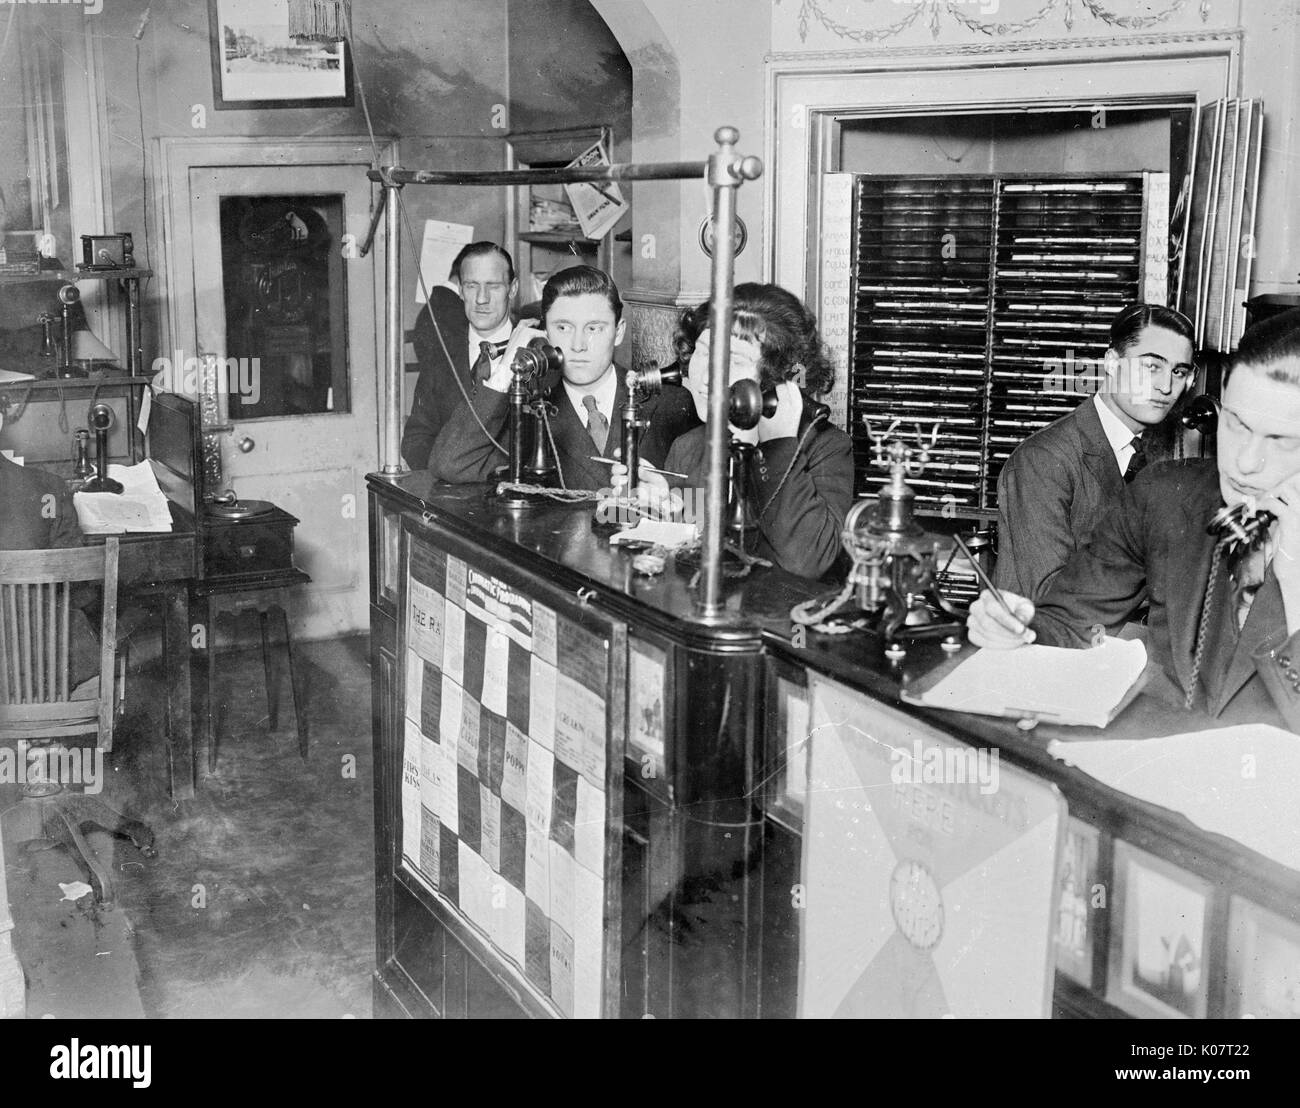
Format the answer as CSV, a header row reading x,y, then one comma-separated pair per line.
x,y
261,900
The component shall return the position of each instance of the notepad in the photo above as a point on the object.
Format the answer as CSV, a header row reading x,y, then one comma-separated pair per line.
x,y
1079,687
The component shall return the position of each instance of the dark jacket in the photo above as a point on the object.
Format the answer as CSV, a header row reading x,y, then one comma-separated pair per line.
x,y
437,394
461,454
801,519
1052,493
1153,547
36,511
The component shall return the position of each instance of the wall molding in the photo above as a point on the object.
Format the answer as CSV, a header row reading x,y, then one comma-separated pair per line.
x,y
796,61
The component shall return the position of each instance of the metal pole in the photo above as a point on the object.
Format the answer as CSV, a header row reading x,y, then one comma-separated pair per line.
x,y
623,171
391,395
725,173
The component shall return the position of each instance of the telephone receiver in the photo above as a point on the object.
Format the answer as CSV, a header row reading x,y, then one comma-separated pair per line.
x,y
1240,525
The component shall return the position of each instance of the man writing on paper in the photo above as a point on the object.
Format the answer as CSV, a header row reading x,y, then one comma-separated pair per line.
x,y
1224,626
583,316
1061,480
480,314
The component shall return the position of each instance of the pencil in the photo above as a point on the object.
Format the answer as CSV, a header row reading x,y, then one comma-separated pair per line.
x,y
652,469
984,578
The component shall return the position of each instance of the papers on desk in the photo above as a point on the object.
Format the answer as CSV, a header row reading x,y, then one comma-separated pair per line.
x,y
8,376
1234,781
658,532
141,506
1084,687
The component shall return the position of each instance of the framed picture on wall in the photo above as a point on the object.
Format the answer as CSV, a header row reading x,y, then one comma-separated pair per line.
x,y
1157,962
257,64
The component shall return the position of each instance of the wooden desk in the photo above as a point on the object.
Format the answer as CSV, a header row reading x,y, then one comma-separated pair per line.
x,y
164,566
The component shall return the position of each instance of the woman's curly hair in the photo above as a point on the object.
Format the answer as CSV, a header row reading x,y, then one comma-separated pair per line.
x,y
784,330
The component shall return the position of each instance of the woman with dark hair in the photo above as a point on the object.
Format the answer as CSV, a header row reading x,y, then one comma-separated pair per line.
x,y
800,476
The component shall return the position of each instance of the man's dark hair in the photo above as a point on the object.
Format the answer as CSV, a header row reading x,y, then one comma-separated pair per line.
x,y
581,280
1136,318
474,250
1272,346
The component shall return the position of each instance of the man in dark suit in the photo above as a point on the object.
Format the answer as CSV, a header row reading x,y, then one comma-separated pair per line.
x,y
583,316
1060,481
36,512
449,339
1224,630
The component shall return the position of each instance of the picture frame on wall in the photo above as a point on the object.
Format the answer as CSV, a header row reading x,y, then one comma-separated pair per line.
x,y
1263,964
257,64
1077,876
1158,949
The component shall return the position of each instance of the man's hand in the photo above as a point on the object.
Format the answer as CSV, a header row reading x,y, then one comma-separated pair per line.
x,y
988,625
784,423
1284,502
652,489
524,333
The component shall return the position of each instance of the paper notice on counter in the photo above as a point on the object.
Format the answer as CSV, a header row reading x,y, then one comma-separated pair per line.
x,y
597,206
411,793
588,952
442,242
1233,781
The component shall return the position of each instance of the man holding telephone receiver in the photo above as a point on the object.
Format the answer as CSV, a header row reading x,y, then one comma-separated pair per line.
x,y
1224,626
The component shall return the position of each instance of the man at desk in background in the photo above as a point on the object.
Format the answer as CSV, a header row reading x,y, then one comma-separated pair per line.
x,y
478,315
583,316
1224,627
1060,481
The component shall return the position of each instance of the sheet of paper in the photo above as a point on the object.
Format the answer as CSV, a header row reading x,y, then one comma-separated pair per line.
x,y
563,887
496,661
1068,686
537,870
541,779
424,622
453,642
1235,781
489,806
661,532
442,242
587,945
411,793
541,702
140,506
589,828
580,729
597,206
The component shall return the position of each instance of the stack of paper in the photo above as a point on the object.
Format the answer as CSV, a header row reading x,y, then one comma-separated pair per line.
x,y
141,506
1046,682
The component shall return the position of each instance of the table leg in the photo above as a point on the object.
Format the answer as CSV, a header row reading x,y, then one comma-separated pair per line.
x,y
176,660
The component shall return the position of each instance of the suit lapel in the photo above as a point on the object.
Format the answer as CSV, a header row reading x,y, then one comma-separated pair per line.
x,y
1266,613
1098,456
573,446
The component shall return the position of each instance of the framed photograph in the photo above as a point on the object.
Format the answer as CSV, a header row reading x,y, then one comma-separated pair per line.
x,y
1157,953
256,64
647,693
1076,879
1263,964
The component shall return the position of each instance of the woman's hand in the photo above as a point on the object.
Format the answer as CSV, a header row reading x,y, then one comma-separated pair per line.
x,y
524,333
988,625
784,423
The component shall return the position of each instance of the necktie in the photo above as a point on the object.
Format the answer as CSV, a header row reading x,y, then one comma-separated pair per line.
x,y
597,424
1246,579
482,368
1136,463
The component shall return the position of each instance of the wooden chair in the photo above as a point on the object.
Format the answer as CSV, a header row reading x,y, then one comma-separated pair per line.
x,y
38,707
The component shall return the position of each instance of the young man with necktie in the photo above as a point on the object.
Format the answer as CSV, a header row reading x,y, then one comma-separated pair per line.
x,y
582,314
454,347
1059,482
1224,627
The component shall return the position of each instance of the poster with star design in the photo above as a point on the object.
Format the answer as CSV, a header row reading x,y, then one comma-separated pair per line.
x,y
928,871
